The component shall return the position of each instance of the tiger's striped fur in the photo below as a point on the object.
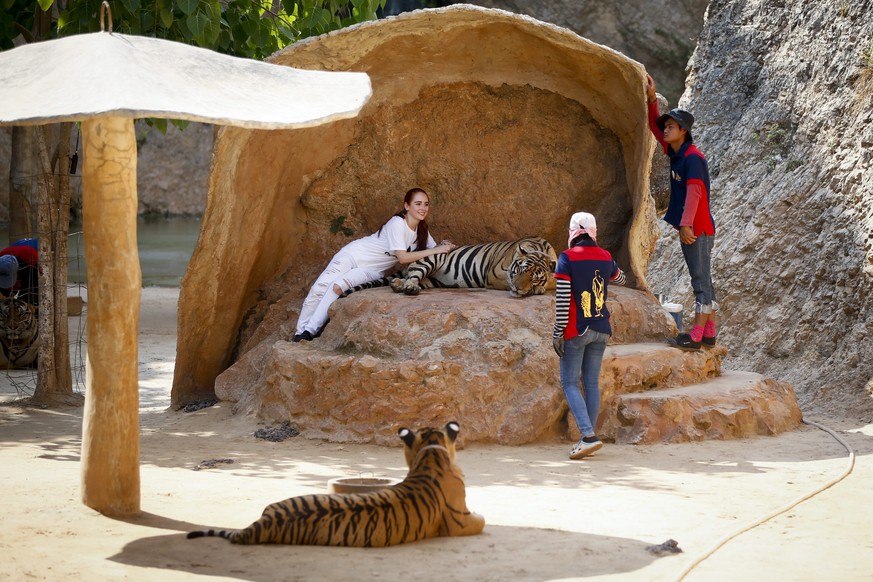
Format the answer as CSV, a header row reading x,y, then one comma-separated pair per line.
x,y
19,333
523,267
429,502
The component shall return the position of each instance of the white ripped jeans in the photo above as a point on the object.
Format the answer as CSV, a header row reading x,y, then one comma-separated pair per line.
x,y
342,272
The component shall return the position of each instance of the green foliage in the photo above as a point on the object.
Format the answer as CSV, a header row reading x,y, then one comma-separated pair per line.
x,y
140,139
776,140
244,28
774,136
867,55
336,225
793,165
16,18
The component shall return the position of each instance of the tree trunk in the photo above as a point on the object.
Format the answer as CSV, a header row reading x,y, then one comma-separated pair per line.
x,y
21,174
54,378
61,254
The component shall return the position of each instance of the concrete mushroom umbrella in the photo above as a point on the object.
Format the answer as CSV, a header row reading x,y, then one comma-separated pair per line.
x,y
106,80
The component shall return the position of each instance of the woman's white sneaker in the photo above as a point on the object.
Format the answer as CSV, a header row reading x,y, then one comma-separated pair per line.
x,y
584,448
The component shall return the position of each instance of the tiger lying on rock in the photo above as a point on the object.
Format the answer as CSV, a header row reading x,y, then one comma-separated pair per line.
x,y
523,267
429,502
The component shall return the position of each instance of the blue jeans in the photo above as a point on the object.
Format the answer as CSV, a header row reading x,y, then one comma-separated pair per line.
x,y
698,258
583,356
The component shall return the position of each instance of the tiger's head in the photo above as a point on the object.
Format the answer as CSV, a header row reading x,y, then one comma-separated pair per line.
x,y
532,267
18,320
415,441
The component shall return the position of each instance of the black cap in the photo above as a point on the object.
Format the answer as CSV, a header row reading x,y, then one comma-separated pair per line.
x,y
682,117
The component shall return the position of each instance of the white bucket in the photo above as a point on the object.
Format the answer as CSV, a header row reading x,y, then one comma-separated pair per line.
x,y
675,310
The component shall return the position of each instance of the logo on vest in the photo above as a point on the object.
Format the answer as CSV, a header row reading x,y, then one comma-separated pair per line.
x,y
595,298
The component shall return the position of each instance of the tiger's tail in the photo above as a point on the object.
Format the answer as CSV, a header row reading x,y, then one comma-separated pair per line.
x,y
383,282
249,535
206,533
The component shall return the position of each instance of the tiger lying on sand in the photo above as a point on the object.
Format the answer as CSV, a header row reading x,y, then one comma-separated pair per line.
x,y
19,333
523,267
429,502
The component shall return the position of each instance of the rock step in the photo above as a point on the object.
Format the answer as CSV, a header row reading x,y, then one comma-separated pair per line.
x,y
640,367
730,406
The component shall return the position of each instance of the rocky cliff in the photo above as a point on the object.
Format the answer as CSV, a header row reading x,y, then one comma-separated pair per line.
x,y
660,34
783,95
172,170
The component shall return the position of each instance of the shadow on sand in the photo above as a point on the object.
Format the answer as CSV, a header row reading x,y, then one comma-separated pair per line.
x,y
568,555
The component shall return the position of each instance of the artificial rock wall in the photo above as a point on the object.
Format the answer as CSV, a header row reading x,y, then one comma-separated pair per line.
x,y
509,123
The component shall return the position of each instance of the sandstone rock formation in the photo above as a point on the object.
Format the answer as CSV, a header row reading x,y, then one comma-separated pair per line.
x,y
783,95
734,405
509,135
480,357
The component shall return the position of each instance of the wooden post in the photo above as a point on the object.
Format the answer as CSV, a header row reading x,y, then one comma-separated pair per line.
x,y
110,430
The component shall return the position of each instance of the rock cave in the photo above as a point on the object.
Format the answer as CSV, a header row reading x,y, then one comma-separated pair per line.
x,y
511,125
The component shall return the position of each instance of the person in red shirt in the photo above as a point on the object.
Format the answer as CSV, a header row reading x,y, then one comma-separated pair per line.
x,y
689,213
583,274
26,284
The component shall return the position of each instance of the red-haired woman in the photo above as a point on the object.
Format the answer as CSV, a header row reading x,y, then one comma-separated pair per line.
x,y
403,239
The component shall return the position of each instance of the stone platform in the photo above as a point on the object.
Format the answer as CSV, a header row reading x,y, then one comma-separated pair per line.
x,y
731,405
486,360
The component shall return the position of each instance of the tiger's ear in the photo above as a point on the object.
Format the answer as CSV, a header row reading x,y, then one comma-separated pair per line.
x,y
452,429
407,436
526,247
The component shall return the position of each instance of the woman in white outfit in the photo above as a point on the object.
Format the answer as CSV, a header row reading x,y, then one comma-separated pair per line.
x,y
403,239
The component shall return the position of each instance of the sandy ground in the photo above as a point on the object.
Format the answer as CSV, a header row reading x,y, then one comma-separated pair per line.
x,y
548,518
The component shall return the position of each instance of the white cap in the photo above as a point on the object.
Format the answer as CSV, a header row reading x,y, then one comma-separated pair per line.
x,y
583,221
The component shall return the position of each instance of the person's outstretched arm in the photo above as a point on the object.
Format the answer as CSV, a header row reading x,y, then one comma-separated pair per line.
x,y
406,257
654,113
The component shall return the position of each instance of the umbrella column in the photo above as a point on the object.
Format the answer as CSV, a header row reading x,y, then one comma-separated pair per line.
x,y
110,432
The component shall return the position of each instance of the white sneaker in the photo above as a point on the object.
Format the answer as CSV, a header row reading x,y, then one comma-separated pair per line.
x,y
583,449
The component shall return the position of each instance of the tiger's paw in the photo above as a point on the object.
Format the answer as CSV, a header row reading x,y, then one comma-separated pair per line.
x,y
406,286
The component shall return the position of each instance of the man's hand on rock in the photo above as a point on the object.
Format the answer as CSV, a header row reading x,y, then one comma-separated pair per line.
x,y
651,94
